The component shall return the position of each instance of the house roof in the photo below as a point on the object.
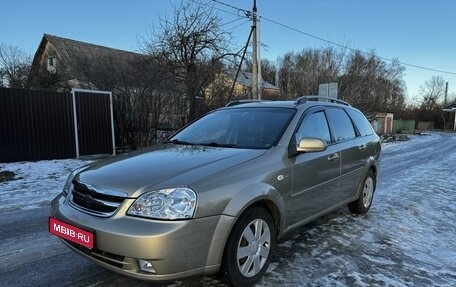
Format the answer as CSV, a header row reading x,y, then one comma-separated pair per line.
x,y
68,50
245,79
450,108
71,51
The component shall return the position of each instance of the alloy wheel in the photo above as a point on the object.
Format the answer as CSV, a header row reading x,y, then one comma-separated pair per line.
x,y
253,248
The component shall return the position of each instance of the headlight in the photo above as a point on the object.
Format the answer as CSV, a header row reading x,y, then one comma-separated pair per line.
x,y
171,203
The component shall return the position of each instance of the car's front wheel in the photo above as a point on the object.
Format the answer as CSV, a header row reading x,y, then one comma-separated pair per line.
x,y
366,195
249,248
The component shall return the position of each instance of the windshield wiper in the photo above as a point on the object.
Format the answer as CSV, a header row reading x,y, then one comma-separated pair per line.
x,y
176,141
215,144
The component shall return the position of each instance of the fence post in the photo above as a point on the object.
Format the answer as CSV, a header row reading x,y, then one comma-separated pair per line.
x,y
112,125
75,120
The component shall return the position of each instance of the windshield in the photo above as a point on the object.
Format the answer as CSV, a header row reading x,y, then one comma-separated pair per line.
x,y
256,128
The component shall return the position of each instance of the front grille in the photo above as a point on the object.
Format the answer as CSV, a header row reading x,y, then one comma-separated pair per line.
x,y
101,202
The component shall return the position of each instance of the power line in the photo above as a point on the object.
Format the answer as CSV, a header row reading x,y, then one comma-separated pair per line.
x,y
229,22
219,9
356,50
228,12
239,17
239,25
247,13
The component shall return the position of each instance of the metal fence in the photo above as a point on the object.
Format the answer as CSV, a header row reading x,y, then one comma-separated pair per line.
x,y
403,126
38,125
425,126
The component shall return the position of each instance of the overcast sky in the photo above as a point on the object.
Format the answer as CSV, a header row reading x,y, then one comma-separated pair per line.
x,y
418,32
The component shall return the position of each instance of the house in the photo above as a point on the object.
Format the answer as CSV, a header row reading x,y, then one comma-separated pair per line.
x,y
244,83
450,116
61,63
142,104
223,82
382,123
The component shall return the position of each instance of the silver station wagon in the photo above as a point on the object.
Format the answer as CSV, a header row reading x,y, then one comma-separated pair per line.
x,y
218,194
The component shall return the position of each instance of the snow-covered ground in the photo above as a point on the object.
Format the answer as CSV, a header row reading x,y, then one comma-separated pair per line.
x,y
407,239
35,183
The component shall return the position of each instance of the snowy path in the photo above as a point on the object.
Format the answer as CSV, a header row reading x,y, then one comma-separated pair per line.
x,y
407,239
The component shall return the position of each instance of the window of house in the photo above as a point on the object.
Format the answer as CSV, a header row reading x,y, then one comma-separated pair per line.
x,y
51,63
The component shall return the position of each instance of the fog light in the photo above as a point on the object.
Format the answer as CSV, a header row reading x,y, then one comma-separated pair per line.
x,y
146,266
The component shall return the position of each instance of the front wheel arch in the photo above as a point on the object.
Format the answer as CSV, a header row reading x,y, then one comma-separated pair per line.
x,y
258,195
249,248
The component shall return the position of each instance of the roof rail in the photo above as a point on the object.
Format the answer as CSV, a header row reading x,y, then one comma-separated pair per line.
x,y
247,101
304,99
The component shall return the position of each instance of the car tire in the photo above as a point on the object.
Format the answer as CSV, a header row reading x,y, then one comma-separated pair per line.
x,y
249,248
366,195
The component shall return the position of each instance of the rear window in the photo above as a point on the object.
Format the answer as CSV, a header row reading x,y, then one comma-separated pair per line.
x,y
364,127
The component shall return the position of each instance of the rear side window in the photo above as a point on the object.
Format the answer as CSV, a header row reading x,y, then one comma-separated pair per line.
x,y
364,127
343,127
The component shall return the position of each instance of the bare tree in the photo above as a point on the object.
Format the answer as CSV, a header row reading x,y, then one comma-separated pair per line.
x,y
432,93
269,71
143,96
371,84
429,105
451,98
191,44
301,73
14,66
286,76
367,82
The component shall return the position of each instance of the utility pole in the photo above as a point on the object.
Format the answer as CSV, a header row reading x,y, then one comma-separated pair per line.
x,y
444,106
260,78
255,93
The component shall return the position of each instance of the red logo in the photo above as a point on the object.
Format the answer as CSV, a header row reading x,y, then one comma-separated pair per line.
x,y
70,232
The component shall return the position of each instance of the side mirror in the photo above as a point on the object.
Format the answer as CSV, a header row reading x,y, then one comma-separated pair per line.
x,y
311,145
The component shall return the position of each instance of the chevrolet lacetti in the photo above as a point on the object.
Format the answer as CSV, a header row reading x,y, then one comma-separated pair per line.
x,y
216,196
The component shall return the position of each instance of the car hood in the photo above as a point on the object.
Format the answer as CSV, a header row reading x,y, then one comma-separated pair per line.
x,y
163,166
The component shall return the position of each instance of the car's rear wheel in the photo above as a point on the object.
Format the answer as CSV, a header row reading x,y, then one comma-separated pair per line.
x,y
366,195
249,248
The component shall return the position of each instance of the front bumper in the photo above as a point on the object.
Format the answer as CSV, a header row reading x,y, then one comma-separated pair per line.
x,y
176,249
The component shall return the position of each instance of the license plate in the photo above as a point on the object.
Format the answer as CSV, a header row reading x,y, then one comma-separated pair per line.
x,y
72,233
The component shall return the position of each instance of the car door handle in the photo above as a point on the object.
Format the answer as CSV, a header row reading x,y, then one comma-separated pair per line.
x,y
362,147
332,157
